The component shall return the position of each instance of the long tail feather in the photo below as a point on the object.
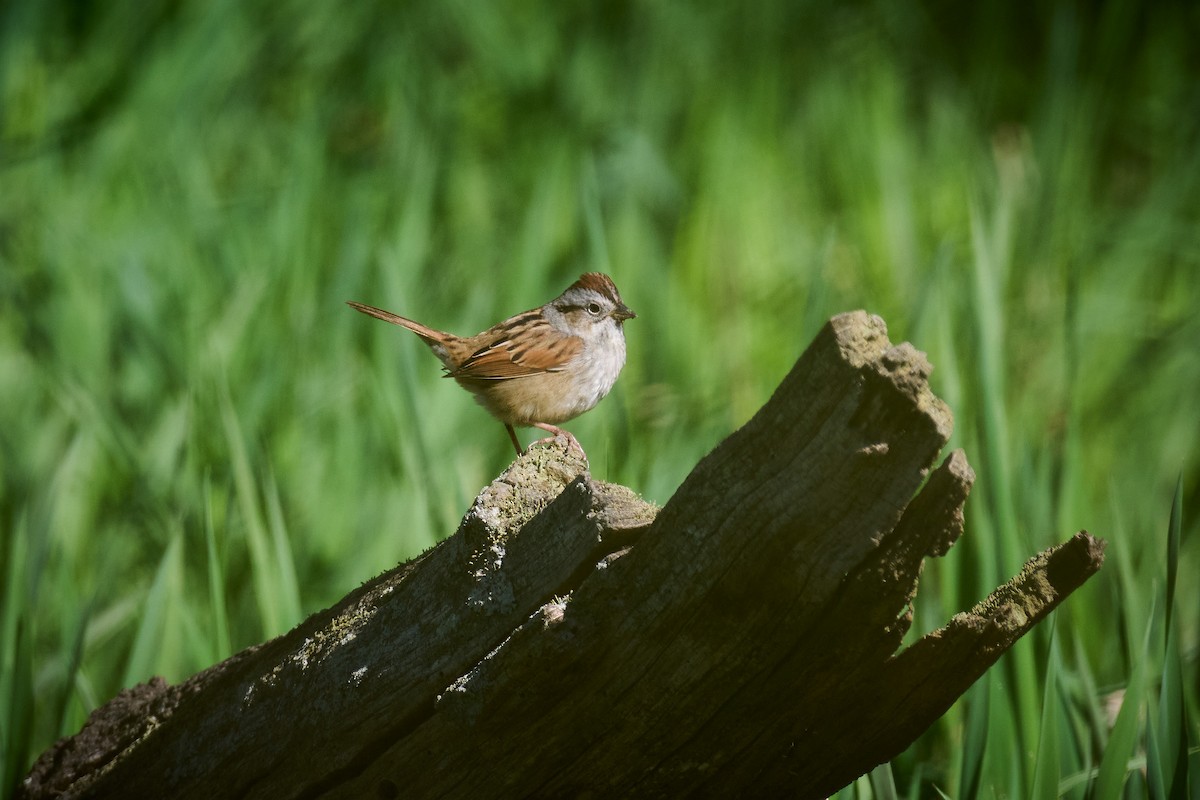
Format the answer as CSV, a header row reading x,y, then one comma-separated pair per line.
x,y
424,331
446,346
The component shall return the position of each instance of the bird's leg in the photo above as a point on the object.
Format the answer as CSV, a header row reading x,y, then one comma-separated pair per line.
x,y
512,434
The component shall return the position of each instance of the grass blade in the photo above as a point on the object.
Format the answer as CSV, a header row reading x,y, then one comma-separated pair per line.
x,y
266,588
882,782
16,663
287,587
1167,759
145,656
1122,743
18,719
1087,719
222,645
78,644
975,739
1173,536
1046,768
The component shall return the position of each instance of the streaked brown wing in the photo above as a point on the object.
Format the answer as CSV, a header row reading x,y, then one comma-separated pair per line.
x,y
505,359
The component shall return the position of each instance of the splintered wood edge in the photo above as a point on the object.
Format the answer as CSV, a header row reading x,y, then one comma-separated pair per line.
x,y
972,641
862,339
920,683
1043,582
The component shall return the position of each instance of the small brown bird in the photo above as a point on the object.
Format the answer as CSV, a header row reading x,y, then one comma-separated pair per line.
x,y
543,366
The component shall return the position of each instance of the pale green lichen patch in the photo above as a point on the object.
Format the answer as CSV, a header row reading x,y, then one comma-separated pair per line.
x,y
525,488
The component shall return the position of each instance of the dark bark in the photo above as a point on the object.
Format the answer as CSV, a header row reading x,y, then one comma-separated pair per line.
x,y
570,638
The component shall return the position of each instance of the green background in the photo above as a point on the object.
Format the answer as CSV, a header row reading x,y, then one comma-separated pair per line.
x,y
200,443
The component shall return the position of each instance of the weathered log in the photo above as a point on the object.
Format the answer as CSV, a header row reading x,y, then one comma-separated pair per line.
x,y
571,639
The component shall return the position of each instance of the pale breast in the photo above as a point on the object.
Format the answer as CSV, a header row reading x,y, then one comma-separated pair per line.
x,y
554,397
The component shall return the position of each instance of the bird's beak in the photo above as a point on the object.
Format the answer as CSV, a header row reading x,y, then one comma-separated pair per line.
x,y
622,312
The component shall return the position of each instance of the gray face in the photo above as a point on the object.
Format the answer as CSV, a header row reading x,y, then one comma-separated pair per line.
x,y
584,307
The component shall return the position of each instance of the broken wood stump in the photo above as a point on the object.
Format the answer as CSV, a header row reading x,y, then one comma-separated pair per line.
x,y
570,639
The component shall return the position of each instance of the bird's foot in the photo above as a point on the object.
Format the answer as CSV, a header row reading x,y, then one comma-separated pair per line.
x,y
557,432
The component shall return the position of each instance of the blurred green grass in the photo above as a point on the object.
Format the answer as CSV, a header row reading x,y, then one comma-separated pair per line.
x,y
200,444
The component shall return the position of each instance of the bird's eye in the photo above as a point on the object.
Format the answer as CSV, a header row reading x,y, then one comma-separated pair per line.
x,y
593,309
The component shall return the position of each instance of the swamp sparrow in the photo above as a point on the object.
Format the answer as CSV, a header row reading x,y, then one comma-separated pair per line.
x,y
543,366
